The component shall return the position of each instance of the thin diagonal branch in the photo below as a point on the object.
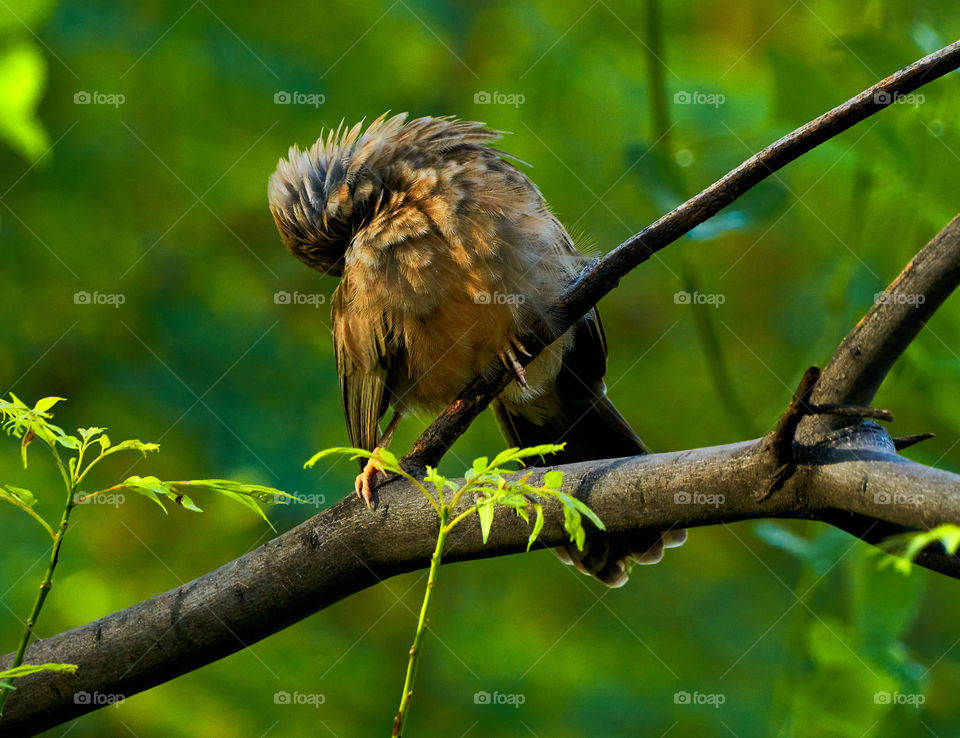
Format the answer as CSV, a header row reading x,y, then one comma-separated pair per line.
x,y
867,354
603,275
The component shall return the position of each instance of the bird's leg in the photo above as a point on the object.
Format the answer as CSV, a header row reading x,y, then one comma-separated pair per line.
x,y
509,359
364,484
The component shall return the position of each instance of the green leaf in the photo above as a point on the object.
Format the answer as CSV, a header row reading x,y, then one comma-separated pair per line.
x,y
581,508
503,457
27,669
573,524
24,496
485,513
150,487
24,442
553,479
523,514
44,404
24,499
542,450
71,442
537,525
248,495
439,481
354,453
129,445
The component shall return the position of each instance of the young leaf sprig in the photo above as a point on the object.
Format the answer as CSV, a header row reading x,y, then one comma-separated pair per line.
x,y
488,483
76,456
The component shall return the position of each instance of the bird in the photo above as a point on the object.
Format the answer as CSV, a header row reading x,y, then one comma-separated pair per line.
x,y
446,253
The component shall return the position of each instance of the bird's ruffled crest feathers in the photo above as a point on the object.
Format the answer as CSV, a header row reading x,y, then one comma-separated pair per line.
x,y
322,197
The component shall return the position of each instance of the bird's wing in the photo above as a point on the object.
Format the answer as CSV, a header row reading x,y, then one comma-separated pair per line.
x,y
578,411
365,361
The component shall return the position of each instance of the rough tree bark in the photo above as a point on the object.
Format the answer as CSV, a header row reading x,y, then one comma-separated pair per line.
x,y
838,469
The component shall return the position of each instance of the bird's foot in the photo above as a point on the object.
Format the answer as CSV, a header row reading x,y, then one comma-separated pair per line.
x,y
509,358
366,483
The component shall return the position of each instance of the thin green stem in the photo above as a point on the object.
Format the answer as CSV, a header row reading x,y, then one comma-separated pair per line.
x,y
460,517
413,480
404,710
45,585
89,467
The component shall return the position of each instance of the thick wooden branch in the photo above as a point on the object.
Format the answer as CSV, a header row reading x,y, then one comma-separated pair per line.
x,y
346,548
603,275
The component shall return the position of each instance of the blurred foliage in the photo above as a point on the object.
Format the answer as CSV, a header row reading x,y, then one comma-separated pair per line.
x,y
155,190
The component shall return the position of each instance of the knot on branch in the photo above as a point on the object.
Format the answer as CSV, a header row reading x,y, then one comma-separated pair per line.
x,y
781,444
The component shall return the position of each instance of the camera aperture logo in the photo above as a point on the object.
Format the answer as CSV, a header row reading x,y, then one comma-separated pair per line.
x,y
498,698
282,297
499,98
282,97
913,300
695,97
116,299
898,498
116,499
499,298
99,699
82,97
698,498
898,98
299,698
899,698
699,698
699,298
299,499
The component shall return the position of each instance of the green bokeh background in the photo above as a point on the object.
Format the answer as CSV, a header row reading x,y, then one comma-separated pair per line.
x,y
162,199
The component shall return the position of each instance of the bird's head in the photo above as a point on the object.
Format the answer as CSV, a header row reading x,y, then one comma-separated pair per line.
x,y
393,181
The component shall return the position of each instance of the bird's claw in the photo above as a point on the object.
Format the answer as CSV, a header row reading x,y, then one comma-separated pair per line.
x,y
366,483
510,361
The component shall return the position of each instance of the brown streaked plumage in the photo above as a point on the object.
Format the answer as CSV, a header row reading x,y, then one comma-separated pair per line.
x,y
446,252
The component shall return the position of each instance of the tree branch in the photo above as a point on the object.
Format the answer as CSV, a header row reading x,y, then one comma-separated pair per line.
x,y
847,475
603,275
867,354
346,548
